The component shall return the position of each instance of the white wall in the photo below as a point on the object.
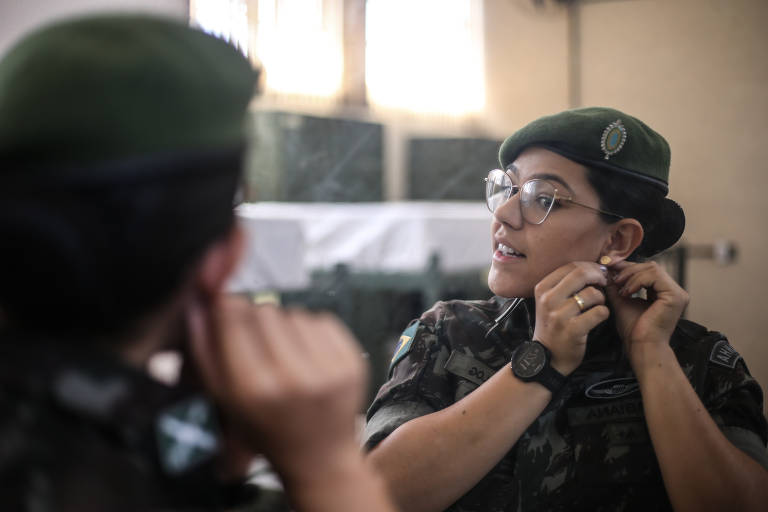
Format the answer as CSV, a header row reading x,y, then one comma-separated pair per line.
x,y
19,16
697,70
526,63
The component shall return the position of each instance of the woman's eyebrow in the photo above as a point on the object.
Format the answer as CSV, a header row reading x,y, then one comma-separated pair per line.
x,y
552,177
541,176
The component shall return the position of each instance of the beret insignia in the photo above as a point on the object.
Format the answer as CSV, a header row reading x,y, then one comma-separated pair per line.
x,y
613,139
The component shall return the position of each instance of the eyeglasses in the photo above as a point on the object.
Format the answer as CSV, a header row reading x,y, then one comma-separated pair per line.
x,y
537,197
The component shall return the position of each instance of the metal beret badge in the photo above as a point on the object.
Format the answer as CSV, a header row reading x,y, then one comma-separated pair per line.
x,y
613,139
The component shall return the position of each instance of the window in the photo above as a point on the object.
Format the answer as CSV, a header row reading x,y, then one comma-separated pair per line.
x,y
299,44
425,56
422,56
227,19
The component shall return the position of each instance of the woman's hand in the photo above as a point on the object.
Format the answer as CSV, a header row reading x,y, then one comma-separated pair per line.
x,y
289,382
645,323
562,323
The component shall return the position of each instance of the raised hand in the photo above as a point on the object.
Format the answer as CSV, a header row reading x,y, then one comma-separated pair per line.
x,y
649,321
289,382
562,321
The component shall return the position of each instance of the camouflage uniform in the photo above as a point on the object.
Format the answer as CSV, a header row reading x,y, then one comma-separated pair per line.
x,y
79,432
590,448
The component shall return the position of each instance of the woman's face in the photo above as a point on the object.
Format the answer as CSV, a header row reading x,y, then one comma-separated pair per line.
x,y
529,252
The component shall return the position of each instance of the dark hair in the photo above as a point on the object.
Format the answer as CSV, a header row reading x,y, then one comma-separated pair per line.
x,y
90,261
630,198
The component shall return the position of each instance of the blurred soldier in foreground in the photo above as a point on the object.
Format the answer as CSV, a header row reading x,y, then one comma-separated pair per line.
x,y
121,142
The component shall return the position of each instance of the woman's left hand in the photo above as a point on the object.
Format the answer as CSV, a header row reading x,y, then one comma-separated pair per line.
x,y
645,323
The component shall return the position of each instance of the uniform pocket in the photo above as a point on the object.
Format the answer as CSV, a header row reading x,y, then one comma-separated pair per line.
x,y
611,443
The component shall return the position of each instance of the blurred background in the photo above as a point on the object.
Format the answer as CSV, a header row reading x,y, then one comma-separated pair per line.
x,y
380,118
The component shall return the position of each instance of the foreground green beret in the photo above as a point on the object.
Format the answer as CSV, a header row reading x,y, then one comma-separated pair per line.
x,y
597,137
114,87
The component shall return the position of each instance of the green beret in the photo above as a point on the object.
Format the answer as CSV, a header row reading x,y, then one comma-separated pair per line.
x,y
114,87
597,137
608,140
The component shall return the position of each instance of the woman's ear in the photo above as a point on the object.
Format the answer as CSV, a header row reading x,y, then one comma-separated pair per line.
x,y
626,236
219,262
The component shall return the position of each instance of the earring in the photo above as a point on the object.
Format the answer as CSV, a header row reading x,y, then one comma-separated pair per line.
x,y
605,260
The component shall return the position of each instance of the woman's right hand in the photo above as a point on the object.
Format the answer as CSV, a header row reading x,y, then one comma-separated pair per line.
x,y
290,382
562,324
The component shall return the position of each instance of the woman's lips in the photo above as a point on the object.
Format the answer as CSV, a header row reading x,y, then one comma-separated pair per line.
x,y
504,253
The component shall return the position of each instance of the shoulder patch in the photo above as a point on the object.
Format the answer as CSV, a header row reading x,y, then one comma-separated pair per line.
x,y
724,354
404,345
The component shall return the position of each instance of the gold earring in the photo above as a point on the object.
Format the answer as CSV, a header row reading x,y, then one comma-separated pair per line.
x,y
605,260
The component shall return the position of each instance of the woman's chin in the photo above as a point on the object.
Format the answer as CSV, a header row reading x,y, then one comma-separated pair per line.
x,y
507,288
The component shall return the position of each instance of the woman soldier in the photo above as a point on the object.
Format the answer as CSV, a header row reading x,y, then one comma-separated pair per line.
x,y
578,386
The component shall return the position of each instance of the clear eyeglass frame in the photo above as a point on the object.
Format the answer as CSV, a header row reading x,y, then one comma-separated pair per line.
x,y
536,200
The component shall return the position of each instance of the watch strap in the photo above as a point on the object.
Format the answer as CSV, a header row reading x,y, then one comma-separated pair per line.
x,y
550,378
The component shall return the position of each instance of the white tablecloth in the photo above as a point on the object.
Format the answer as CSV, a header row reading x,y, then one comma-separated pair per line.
x,y
287,241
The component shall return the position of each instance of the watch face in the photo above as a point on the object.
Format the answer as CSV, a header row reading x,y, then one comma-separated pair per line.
x,y
530,359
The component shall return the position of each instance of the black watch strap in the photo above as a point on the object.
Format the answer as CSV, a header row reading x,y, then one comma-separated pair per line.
x,y
551,379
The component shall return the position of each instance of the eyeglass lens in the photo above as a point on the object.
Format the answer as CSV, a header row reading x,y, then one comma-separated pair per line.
x,y
536,197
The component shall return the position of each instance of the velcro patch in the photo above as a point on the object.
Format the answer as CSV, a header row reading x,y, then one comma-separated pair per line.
x,y
724,354
404,345
468,368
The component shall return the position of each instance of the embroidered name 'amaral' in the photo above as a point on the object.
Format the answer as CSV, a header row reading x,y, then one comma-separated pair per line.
x,y
618,411
613,388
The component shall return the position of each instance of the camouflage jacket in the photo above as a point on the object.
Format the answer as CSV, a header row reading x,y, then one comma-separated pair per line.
x,y
81,432
590,448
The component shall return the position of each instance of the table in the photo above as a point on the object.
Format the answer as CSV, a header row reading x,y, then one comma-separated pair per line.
x,y
286,242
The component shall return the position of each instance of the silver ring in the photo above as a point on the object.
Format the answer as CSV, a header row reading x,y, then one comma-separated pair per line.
x,y
579,301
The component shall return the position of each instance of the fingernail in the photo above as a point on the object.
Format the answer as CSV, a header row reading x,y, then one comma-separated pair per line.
x,y
603,269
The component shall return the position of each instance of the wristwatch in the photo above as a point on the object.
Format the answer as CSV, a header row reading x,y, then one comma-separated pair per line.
x,y
530,363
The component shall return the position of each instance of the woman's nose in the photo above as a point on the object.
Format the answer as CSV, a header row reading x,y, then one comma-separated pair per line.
x,y
509,212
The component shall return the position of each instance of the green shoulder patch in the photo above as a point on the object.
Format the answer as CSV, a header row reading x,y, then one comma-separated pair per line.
x,y
404,345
